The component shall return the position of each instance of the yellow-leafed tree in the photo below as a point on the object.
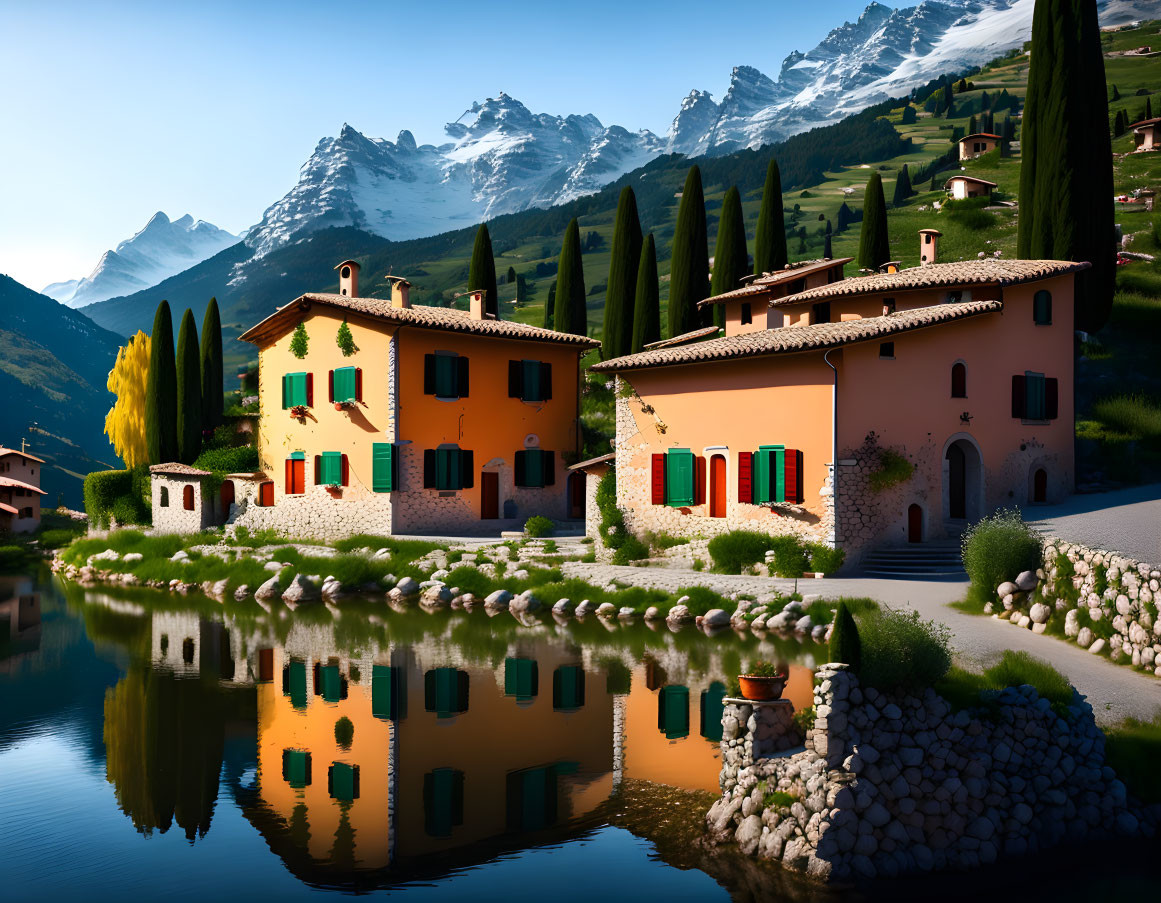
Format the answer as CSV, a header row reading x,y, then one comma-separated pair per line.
x,y
125,422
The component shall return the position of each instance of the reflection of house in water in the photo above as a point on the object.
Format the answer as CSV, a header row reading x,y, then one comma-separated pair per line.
x,y
189,646
19,621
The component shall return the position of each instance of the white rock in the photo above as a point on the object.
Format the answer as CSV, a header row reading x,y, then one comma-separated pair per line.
x,y
803,624
408,586
1097,647
1039,613
606,610
1006,589
274,566
653,613
300,590
584,608
268,590
242,593
563,607
132,557
716,617
498,600
679,614
1084,637
1026,581
625,613
179,555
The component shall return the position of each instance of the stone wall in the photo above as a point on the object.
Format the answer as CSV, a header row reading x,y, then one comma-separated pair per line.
x,y
315,515
892,783
173,517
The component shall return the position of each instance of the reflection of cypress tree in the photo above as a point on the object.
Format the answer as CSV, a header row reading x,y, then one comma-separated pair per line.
x,y
299,827
164,739
343,851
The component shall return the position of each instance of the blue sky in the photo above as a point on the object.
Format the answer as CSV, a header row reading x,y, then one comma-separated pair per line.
x,y
113,111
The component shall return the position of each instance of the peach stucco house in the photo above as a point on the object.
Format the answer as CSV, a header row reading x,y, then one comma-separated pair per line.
x,y
437,420
961,187
971,146
962,369
20,491
1147,134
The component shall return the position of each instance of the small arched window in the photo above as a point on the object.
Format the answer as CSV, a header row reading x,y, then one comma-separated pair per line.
x,y
187,495
958,380
164,496
1042,308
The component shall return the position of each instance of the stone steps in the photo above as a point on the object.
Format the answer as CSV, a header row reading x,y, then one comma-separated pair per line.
x,y
920,561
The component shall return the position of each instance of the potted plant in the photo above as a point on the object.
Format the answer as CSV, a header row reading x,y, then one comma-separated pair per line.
x,y
763,682
298,412
335,490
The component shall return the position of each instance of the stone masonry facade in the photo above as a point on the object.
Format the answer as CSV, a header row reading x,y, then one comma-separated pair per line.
x,y
169,512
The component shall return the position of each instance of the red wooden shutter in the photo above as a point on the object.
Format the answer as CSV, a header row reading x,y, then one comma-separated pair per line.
x,y
790,476
346,472
266,494
745,477
1051,398
310,390
289,476
358,384
317,470
1018,396
699,481
331,386
658,479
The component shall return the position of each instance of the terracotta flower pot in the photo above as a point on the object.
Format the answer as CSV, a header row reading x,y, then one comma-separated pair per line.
x,y
762,689
338,405
335,491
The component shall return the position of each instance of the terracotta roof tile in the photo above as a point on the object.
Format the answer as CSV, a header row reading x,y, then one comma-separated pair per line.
x,y
15,451
9,483
445,318
942,275
966,178
790,339
8,509
592,462
980,135
181,470
685,338
767,281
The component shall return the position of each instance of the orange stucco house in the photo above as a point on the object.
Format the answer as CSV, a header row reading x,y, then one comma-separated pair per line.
x,y
971,146
429,420
20,491
960,187
965,370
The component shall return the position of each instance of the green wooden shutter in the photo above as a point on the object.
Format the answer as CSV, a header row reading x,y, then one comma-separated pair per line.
x,y
712,708
679,477
533,468
761,476
443,801
448,469
778,462
382,466
1042,308
1034,408
297,383
296,677
332,469
531,381
673,712
345,389
521,678
296,768
568,687
285,391
447,375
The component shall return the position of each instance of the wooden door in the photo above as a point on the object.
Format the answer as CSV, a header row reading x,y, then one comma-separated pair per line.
x,y
914,524
489,495
717,486
227,497
956,483
576,495
1040,486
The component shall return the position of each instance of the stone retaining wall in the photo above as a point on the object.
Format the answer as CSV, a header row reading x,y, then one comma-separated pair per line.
x,y
891,783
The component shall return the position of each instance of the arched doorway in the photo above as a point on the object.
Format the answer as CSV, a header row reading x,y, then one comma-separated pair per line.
x,y
914,524
1040,486
718,486
227,497
963,480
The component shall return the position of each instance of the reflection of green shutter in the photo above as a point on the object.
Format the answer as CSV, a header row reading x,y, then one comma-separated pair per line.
x,y
531,381
678,477
296,768
443,801
532,799
447,375
568,688
345,384
388,693
520,678
332,469
445,691
381,466
344,780
712,708
332,683
297,675
673,712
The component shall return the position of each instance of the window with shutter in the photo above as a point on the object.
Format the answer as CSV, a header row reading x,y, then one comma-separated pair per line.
x,y
447,469
294,390
382,467
657,479
331,469
388,692
745,477
535,468
679,477
345,388
568,688
445,691
769,477
1042,308
792,471
1034,407
445,375
343,782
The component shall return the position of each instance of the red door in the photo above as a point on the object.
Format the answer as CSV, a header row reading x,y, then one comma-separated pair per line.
x,y
915,524
718,486
295,476
227,497
489,495
576,495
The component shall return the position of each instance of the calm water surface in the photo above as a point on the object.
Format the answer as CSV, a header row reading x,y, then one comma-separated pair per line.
x,y
158,745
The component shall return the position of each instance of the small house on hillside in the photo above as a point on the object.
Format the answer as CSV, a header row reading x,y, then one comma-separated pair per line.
x,y
20,491
753,307
1147,134
180,504
971,146
961,187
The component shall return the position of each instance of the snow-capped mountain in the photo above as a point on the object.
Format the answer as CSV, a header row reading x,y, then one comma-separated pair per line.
x,y
160,250
501,158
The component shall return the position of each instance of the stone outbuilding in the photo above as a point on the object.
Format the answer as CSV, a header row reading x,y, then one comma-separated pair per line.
x,y
961,187
971,146
584,478
180,504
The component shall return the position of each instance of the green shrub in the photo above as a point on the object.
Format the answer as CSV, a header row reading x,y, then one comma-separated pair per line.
x,y
630,549
1015,669
739,549
997,548
893,469
102,489
537,526
900,650
823,558
664,540
790,557
618,677
844,639
779,799
54,539
1132,749
613,531
1129,416
241,459
804,719
701,599
698,564
13,557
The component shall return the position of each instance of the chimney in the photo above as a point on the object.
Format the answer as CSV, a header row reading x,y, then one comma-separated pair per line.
x,y
400,293
348,278
476,309
928,246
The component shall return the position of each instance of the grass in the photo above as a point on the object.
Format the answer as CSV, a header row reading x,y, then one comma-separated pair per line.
x,y
1133,749
969,689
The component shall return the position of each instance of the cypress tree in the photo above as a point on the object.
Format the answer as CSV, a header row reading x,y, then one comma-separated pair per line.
x,y
549,305
161,391
1116,94
1148,108
511,275
827,253
1066,170
770,236
621,293
845,217
874,249
689,264
903,189
189,391
569,313
950,107
731,259
972,125
482,271
845,646
647,304
213,381
985,101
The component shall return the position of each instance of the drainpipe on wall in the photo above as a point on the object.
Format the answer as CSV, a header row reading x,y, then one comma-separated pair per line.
x,y
834,466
